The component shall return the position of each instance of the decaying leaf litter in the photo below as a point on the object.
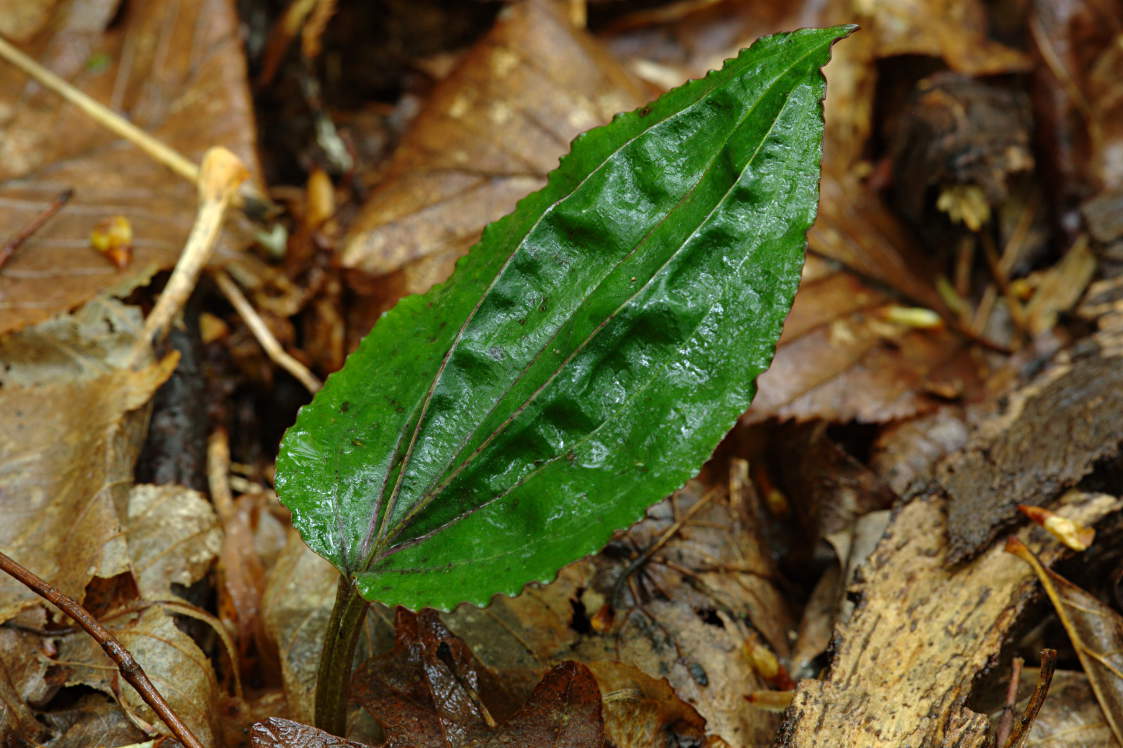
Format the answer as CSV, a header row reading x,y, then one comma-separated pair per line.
x,y
950,355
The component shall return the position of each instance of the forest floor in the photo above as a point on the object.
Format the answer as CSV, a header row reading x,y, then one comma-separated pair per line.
x,y
861,563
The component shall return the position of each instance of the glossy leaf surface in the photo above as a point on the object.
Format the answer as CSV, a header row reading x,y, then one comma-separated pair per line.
x,y
587,355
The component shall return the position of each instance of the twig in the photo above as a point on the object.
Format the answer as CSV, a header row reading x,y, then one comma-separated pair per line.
x,y
218,471
578,14
126,663
101,114
1040,691
280,36
964,261
241,573
994,262
25,233
261,331
1006,721
219,179
254,202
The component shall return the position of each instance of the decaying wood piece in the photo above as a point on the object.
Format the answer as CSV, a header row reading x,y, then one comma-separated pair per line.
x,y
1048,436
905,662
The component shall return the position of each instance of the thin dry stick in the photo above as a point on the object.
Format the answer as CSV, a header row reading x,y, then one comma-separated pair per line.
x,y
1040,691
219,179
218,471
250,198
257,326
126,663
994,263
1006,721
240,568
25,233
100,113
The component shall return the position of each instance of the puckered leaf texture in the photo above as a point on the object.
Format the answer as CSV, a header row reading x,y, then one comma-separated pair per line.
x,y
587,355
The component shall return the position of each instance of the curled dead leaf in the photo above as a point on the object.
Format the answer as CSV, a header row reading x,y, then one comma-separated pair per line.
x,y
1071,533
277,732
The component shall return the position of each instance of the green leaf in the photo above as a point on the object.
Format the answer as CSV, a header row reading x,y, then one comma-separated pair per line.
x,y
587,355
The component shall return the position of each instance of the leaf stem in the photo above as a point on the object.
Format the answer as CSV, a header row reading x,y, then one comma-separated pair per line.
x,y
333,680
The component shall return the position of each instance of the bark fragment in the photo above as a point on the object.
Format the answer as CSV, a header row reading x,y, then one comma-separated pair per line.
x,y
905,662
1049,436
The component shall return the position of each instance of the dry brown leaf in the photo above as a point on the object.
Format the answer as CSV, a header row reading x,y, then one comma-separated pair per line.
x,y
69,442
701,594
93,720
1096,633
284,733
564,709
817,624
95,340
23,19
173,536
641,711
839,359
1060,287
430,690
22,680
175,69
486,138
835,499
74,422
828,487
907,451
299,591
701,35
173,662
